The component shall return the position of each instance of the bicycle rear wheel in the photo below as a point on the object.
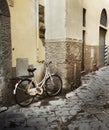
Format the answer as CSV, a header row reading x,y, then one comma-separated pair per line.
x,y
22,97
53,85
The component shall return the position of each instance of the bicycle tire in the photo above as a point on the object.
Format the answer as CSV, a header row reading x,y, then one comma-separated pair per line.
x,y
22,98
53,87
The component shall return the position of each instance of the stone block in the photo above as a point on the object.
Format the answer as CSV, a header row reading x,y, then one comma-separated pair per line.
x,y
21,66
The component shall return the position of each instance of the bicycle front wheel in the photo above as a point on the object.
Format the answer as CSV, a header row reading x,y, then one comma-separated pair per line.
x,y
22,97
53,85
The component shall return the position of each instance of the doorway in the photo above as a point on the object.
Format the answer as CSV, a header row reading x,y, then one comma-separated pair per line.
x,y
102,37
5,40
83,46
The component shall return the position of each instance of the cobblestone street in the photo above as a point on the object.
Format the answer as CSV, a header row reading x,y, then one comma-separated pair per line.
x,y
86,108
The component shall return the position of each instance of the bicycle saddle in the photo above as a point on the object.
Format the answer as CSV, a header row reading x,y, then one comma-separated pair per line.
x,y
31,70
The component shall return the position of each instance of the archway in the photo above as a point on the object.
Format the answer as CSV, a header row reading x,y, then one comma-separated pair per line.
x,y
5,49
102,36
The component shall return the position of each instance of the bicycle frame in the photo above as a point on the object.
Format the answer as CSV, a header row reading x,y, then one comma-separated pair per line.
x,y
42,82
37,85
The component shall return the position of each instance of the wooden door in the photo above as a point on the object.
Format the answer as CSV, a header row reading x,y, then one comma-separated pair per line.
x,y
101,46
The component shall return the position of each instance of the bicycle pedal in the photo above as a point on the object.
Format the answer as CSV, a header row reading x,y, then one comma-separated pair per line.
x,y
39,91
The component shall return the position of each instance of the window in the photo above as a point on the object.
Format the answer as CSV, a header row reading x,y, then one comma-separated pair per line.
x,y
84,17
41,23
103,19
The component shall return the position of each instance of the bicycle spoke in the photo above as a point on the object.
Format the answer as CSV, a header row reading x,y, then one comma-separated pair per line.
x,y
53,85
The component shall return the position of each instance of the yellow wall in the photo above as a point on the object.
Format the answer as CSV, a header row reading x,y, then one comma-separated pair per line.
x,y
41,51
93,14
74,19
24,32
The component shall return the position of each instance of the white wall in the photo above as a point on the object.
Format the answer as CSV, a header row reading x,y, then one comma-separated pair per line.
x,y
74,19
41,2
55,17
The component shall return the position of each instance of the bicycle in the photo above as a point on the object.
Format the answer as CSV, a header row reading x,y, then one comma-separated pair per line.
x,y
27,87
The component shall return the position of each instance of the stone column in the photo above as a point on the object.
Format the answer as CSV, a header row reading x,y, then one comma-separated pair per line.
x,y
66,61
56,52
65,53
73,61
55,36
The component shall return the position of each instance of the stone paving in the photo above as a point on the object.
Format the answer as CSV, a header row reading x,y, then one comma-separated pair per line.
x,y
86,108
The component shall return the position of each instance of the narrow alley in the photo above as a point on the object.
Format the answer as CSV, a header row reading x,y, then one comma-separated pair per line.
x,y
86,108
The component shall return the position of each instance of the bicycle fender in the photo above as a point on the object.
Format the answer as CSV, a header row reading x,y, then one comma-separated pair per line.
x,y
14,91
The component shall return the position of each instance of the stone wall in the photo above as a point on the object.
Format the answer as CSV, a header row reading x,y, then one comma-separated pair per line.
x,y
73,57
6,57
4,8
55,51
91,59
6,64
66,59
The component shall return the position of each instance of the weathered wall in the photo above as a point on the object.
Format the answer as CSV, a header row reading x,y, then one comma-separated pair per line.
x,y
56,52
24,31
6,61
73,61
63,40
66,61
90,58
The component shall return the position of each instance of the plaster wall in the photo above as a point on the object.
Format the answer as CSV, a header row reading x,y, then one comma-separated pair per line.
x,y
25,39
55,18
74,19
93,14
